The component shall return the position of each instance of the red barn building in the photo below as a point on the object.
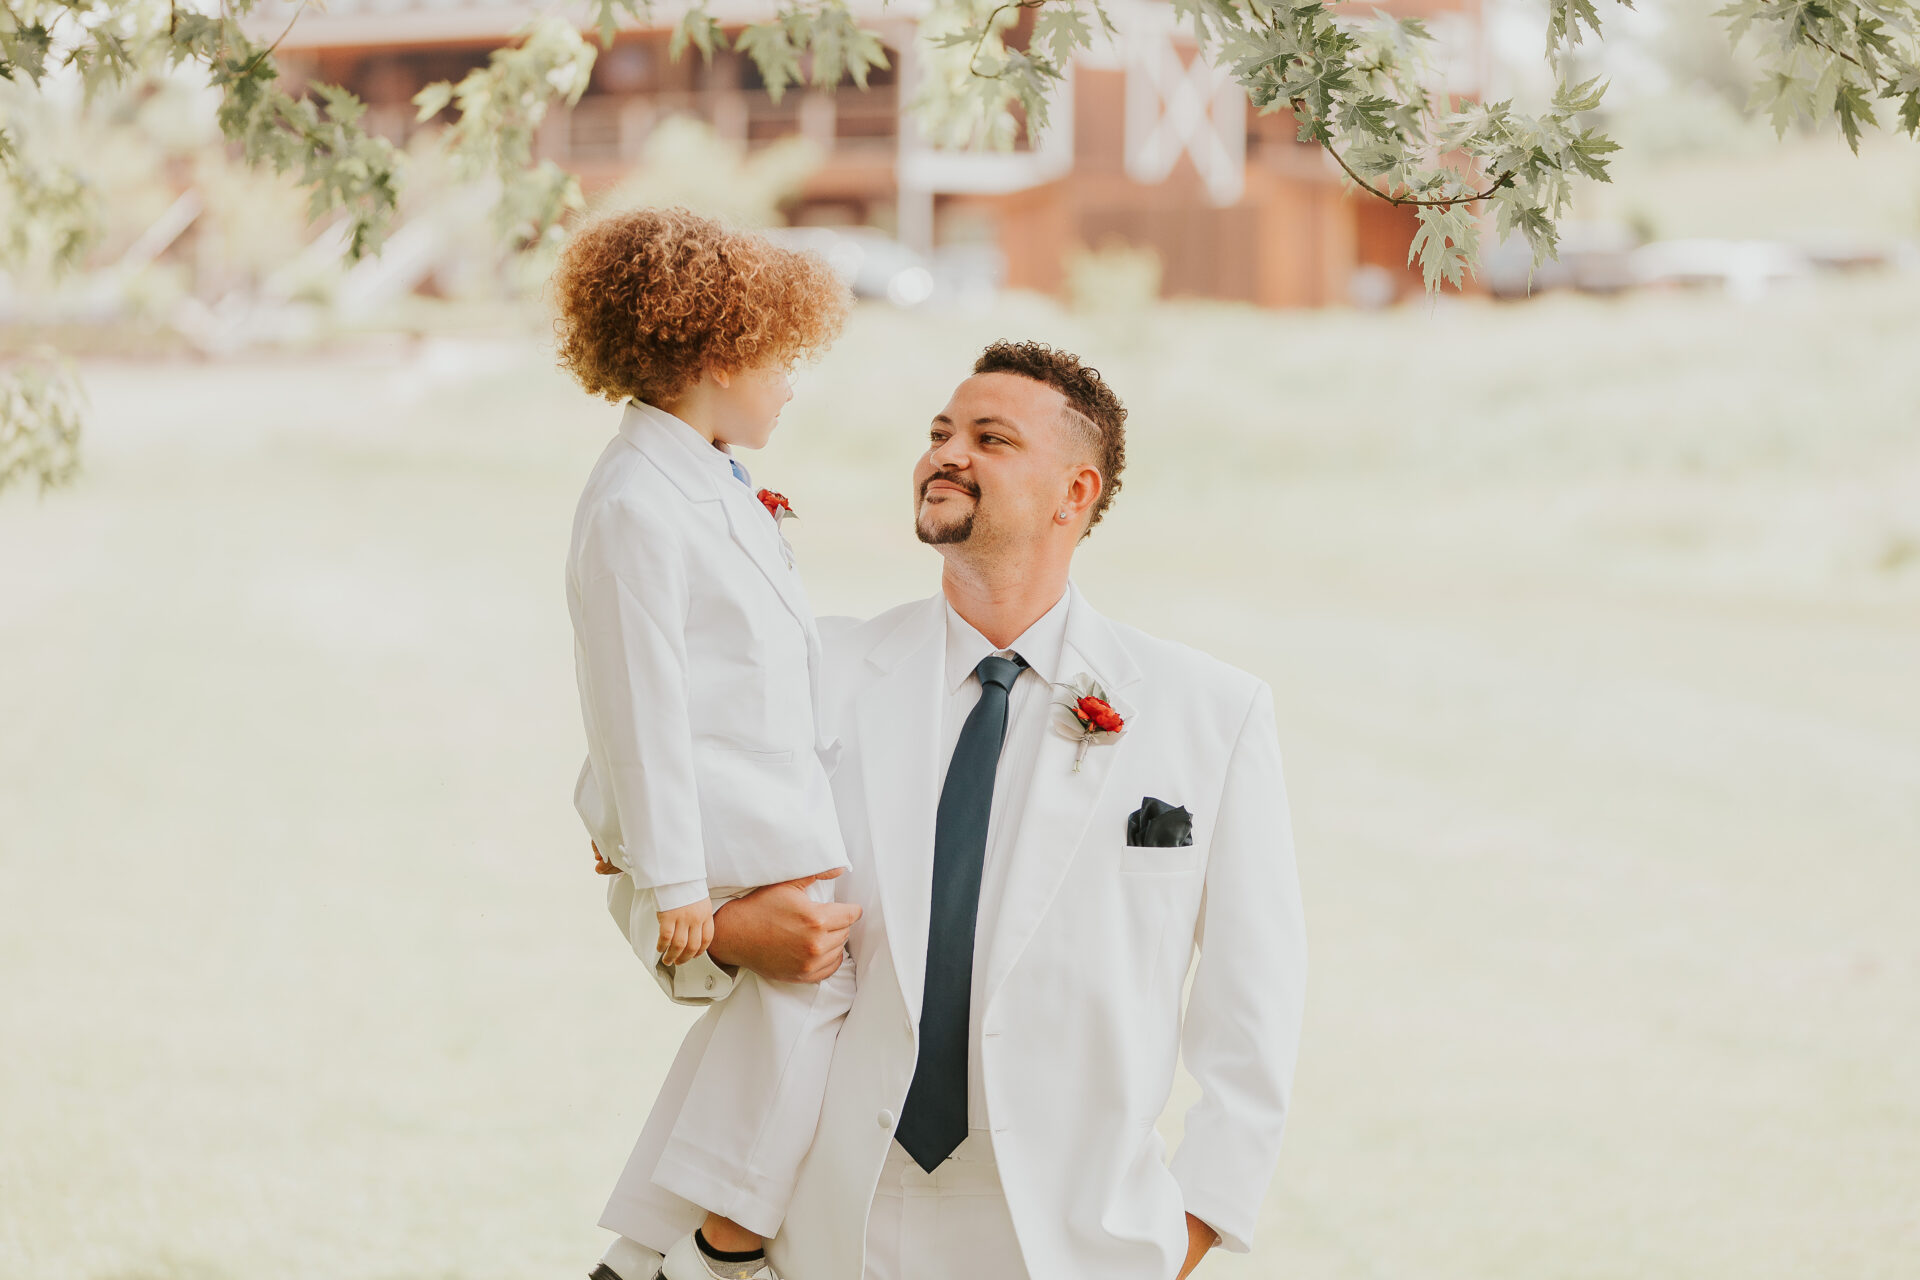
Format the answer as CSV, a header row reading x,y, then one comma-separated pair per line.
x,y
1147,145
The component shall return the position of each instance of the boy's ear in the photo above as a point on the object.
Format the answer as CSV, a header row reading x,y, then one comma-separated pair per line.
x,y
721,377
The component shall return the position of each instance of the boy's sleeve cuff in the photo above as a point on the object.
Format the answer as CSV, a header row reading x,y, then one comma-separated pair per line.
x,y
698,981
667,897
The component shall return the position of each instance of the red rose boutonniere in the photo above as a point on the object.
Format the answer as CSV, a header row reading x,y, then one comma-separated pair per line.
x,y
776,504
1084,715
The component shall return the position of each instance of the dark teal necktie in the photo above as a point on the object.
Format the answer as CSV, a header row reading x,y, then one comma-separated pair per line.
x,y
934,1120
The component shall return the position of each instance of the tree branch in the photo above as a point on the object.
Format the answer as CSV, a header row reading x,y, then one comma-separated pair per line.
x,y
1444,202
268,51
1818,43
986,30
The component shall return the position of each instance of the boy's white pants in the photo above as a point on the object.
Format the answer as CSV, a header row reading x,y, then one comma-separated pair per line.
x,y
754,1072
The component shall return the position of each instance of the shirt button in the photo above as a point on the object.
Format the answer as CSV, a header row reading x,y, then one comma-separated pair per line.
x,y
709,982
885,1119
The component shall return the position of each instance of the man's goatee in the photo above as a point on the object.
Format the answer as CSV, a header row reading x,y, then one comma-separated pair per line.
x,y
952,533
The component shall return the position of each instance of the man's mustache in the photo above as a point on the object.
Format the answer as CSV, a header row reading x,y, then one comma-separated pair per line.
x,y
952,478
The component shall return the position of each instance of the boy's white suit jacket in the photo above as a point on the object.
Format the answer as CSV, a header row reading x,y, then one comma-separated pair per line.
x,y
698,662
1088,957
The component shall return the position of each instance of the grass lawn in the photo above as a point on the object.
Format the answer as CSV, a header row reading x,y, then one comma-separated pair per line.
x,y
1595,632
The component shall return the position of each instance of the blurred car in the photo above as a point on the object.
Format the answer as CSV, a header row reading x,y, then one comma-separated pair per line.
x,y
872,263
1594,257
1838,251
1744,268
875,265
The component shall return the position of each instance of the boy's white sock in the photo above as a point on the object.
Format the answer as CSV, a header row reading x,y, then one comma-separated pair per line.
x,y
729,1266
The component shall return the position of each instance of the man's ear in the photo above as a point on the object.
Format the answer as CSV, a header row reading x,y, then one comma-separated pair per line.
x,y
1084,489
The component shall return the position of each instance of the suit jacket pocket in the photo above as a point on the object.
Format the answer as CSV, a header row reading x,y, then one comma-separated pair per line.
x,y
758,757
755,815
1147,860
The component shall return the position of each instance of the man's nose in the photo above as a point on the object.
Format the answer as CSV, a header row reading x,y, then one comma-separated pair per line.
x,y
948,455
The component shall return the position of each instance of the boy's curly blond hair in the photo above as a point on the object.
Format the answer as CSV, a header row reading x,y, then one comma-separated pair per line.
x,y
650,299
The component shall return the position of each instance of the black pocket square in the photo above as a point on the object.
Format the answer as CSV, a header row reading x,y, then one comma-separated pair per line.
x,y
1159,825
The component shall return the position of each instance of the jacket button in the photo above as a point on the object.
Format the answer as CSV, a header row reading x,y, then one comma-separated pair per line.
x,y
886,1119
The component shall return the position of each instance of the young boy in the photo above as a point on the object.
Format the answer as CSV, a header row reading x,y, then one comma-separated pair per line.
x,y
696,656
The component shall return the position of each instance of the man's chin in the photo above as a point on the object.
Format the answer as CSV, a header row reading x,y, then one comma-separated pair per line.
x,y
936,531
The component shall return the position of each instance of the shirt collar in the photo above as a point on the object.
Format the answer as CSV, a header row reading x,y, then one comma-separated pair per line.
x,y
712,456
1040,644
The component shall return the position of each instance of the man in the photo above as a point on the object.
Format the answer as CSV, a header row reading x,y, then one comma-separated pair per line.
x,y
1030,885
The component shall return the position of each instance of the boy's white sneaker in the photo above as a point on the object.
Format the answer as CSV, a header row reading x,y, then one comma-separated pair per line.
x,y
686,1262
627,1260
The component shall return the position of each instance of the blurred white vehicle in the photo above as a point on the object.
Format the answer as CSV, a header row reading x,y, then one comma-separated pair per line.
x,y
875,265
1746,269
1595,257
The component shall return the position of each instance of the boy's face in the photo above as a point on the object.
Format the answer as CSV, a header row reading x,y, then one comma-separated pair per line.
x,y
750,404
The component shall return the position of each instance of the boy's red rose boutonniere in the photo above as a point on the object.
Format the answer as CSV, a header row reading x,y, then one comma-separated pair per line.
x,y
776,504
1083,714
780,509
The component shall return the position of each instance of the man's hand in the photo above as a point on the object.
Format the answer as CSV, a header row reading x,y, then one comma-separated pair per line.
x,y
777,930
1200,1238
783,935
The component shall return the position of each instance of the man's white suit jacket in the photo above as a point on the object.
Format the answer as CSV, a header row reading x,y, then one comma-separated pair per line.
x,y
1091,949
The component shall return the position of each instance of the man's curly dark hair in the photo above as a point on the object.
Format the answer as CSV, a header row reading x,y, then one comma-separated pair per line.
x,y
1091,404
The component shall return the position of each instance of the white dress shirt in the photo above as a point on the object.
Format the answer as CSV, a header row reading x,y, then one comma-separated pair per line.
x,y
1029,712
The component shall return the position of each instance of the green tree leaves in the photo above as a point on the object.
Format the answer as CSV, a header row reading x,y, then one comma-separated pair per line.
x,y
40,405
1565,19
698,27
50,215
774,52
1060,29
500,109
1363,88
826,32
1360,87
841,49
1833,59
981,88
1446,244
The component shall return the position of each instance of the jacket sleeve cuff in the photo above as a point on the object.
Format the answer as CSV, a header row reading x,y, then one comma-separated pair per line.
x,y
699,981
668,897
1235,1235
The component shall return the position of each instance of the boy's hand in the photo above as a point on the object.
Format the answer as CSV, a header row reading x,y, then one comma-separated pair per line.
x,y
1200,1238
600,865
685,932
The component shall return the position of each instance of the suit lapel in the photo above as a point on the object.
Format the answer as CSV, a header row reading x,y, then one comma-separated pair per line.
x,y
1059,802
759,537
898,719
676,449
753,527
